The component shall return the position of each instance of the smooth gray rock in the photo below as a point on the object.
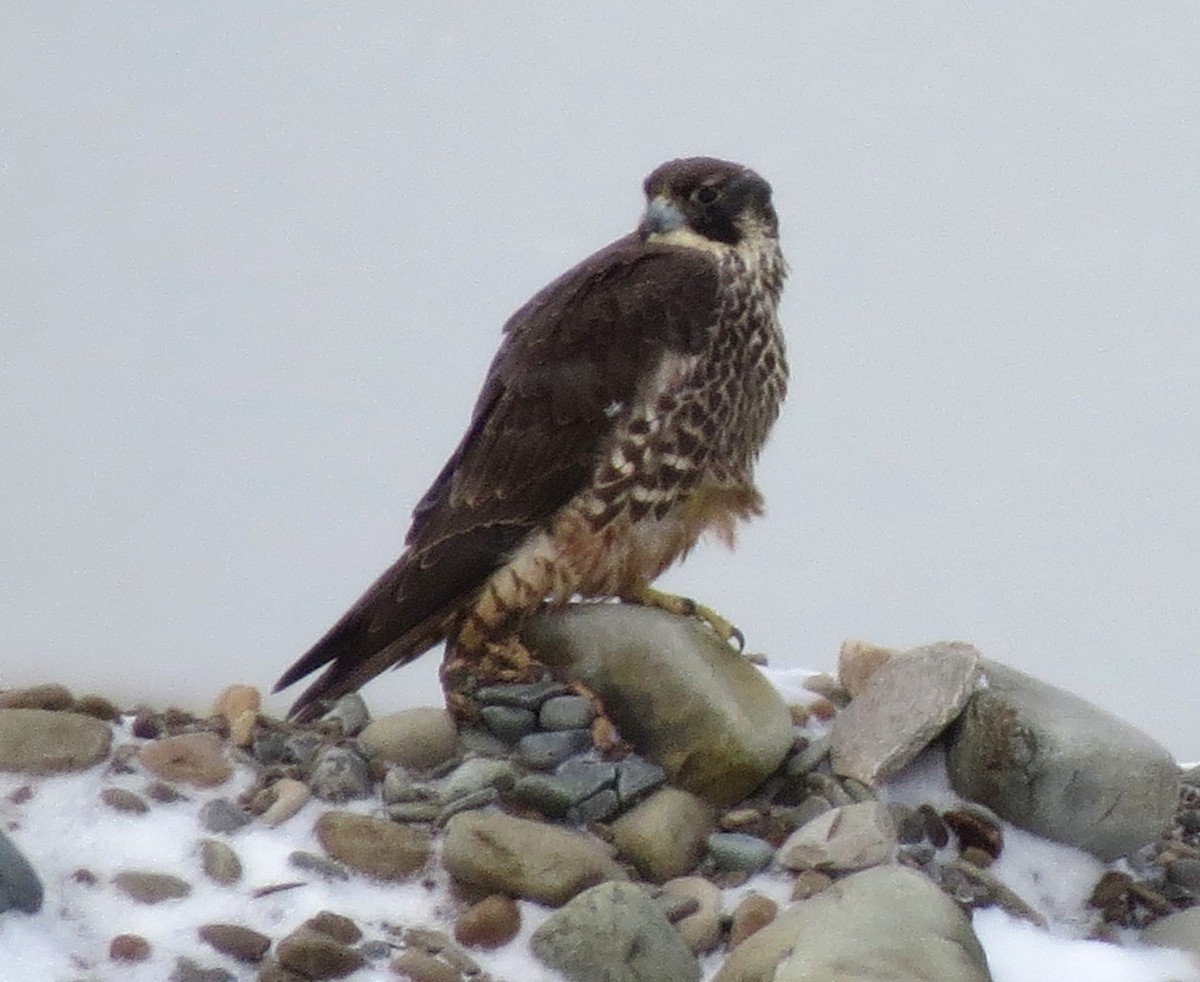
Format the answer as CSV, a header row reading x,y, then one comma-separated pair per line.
x,y
637,777
740,852
614,933
889,923
542,751
502,854
41,741
1061,768
223,815
851,837
509,723
676,692
903,705
566,713
20,886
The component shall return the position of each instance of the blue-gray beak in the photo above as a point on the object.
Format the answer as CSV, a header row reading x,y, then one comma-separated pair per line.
x,y
662,215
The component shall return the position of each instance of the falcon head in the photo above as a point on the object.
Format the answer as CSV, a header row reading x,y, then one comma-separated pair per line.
x,y
719,201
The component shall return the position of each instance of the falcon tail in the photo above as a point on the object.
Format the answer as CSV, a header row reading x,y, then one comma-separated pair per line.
x,y
403,614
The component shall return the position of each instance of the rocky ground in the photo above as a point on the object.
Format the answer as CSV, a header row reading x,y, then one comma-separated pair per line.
x,y
726,831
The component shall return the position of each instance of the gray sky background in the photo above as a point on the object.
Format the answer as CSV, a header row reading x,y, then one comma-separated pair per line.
x,y
257,257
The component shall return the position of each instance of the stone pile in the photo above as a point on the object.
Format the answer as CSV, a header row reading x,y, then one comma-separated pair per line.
x,y
643,850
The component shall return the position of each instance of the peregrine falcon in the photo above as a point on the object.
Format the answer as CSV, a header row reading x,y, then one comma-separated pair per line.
x,y
621,418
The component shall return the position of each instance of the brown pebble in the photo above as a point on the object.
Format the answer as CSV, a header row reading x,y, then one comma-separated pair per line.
x,y
317,956
336,926
220,862
753,914
822,709
191,758
1110,887
151,888
21,795
737,819
97,706
809,883
240,943
129,948
124,801
52,696
420,966
375,846
164,793
492,922
975,830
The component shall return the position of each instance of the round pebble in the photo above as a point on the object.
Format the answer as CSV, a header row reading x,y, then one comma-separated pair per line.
x,y
375,846
39,741
314,955
338,927
492,922
223,815
123,800
129,948
736,851
422,738
189,758
240,943
219,862
750,916
151,888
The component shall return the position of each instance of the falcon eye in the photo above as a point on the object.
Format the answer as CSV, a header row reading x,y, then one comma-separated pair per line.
x,y
706,195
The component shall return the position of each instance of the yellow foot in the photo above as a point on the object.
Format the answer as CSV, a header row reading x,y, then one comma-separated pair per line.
x,y
647,596
605,737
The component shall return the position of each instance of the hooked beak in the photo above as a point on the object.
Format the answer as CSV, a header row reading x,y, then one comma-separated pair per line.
x,y
662,215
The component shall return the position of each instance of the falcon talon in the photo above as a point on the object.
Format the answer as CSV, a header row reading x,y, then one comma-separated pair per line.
x,y
619,421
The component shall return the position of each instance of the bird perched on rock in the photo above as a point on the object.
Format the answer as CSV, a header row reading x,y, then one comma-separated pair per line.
x,y
620,419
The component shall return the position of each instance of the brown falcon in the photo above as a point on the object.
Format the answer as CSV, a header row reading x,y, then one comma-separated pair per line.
x,y
620,419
